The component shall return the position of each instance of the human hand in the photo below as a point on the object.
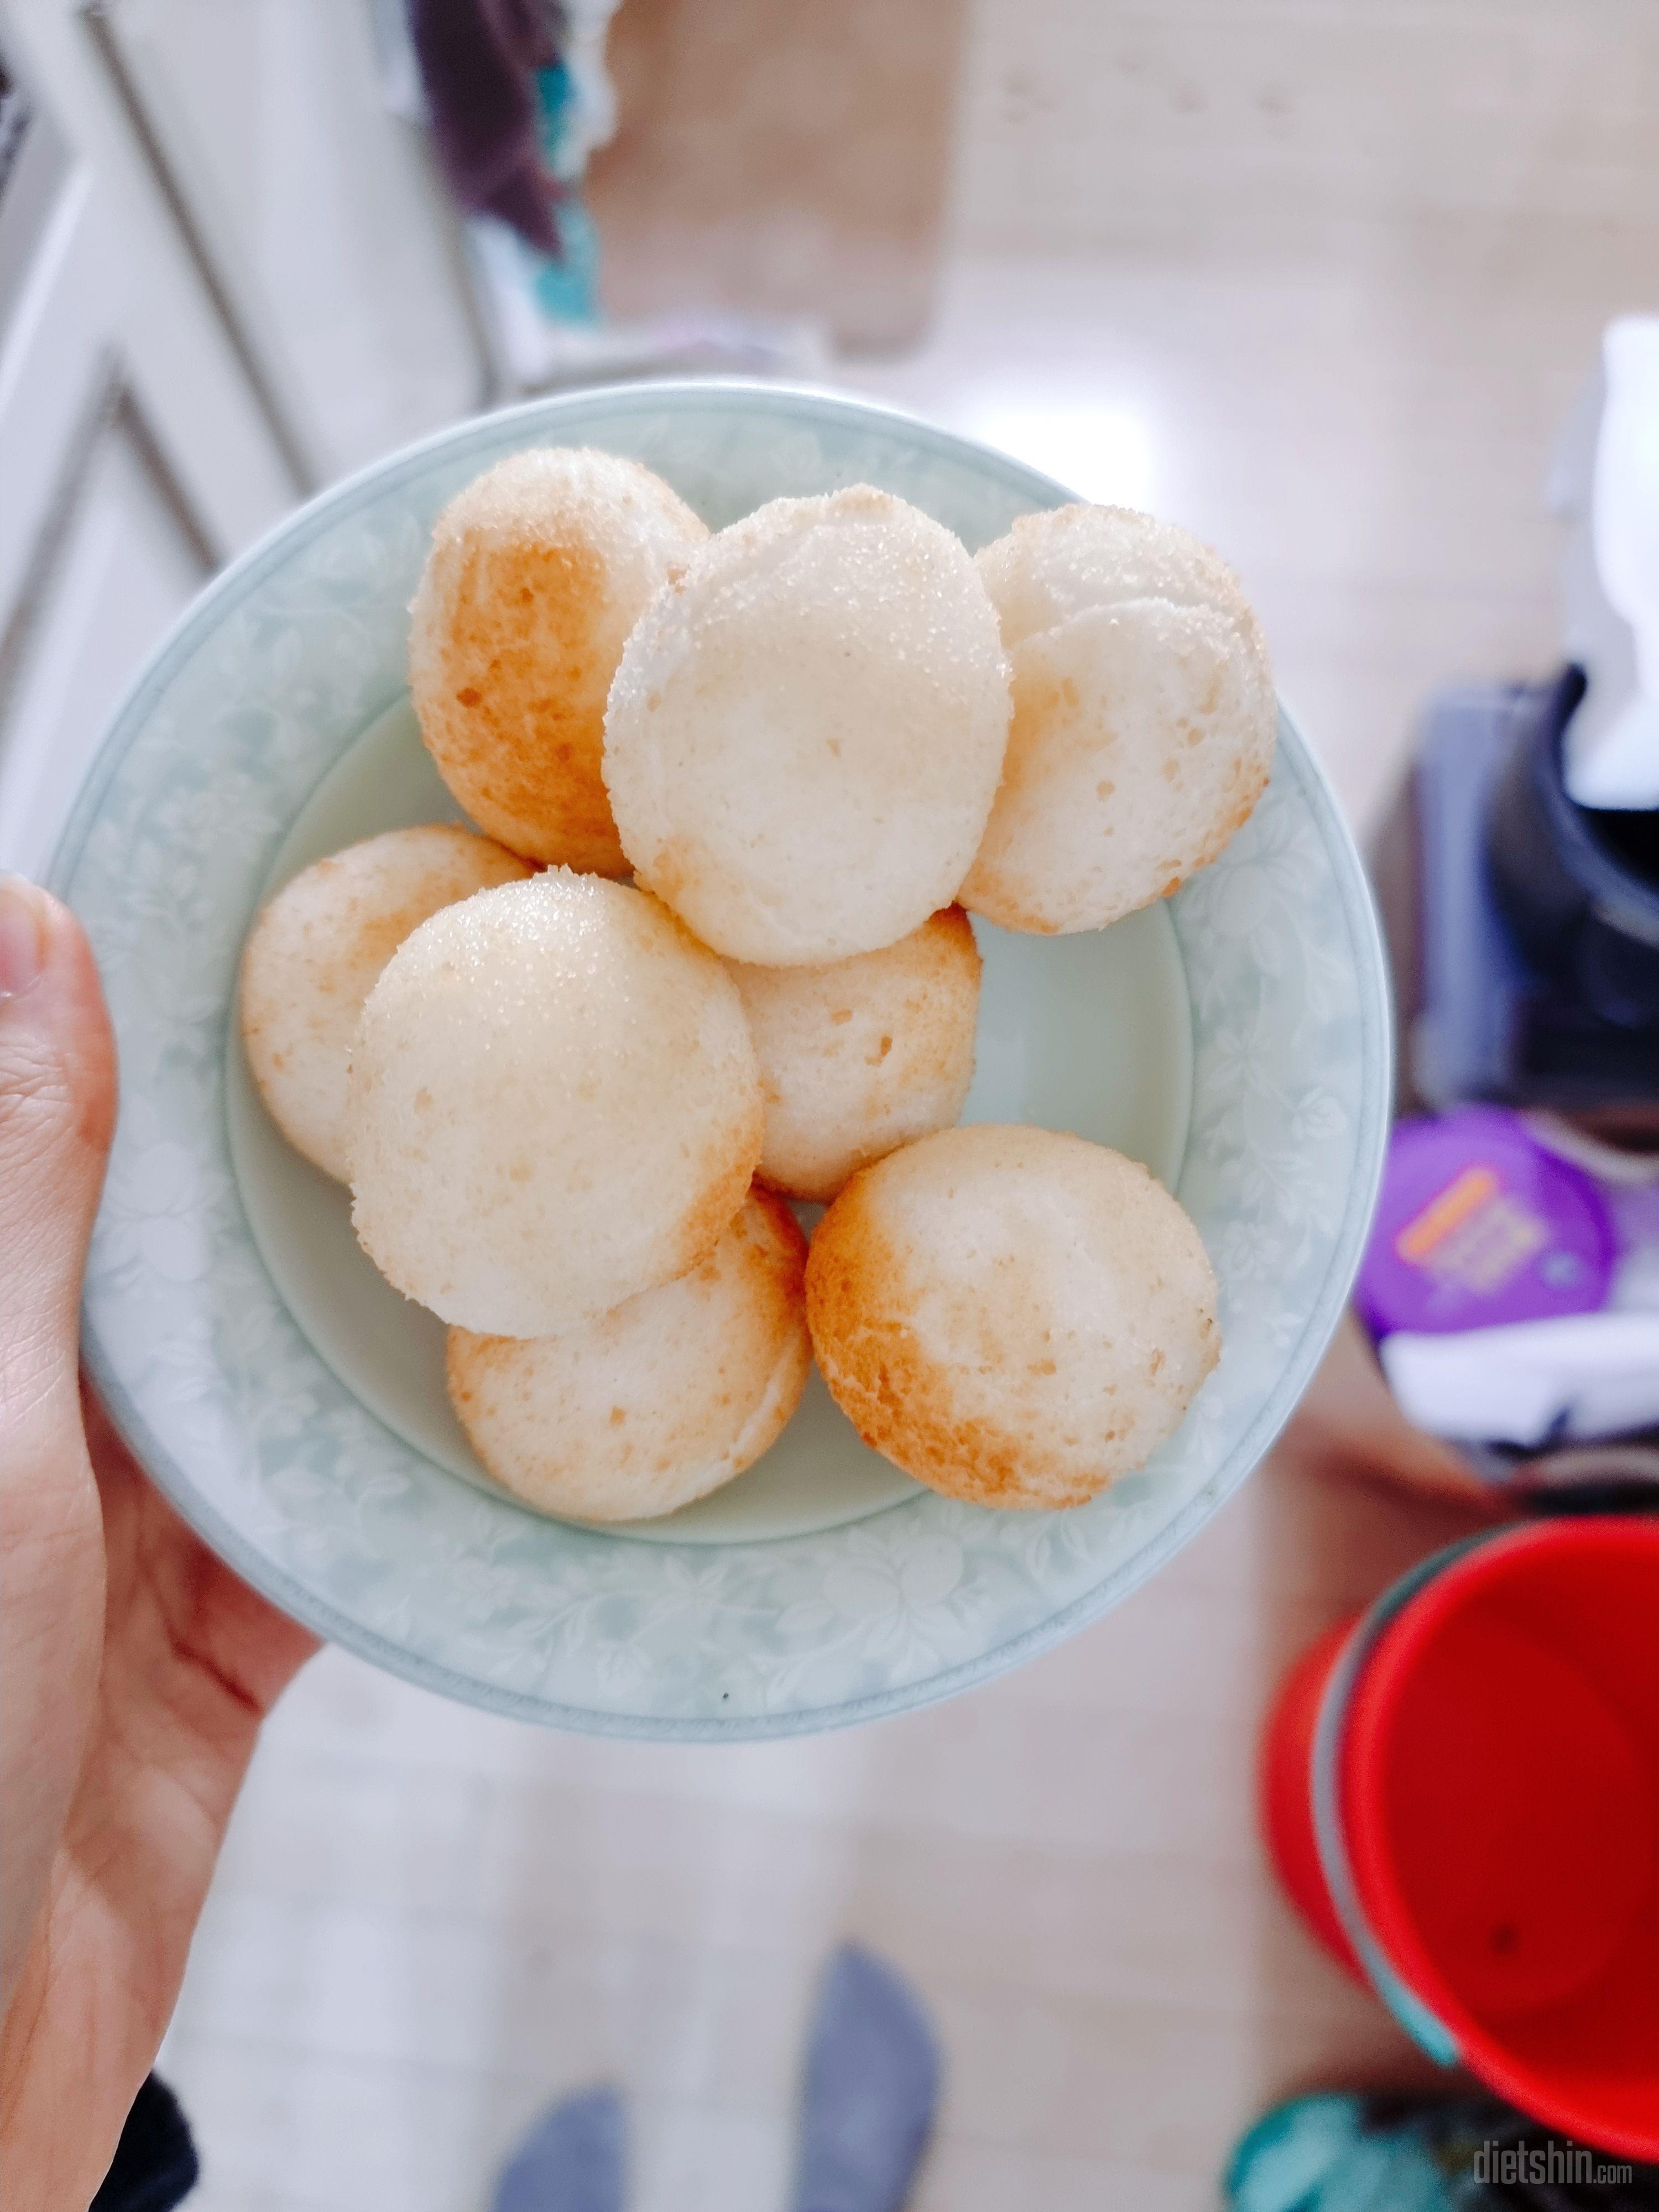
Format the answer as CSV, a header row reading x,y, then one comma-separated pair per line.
x,y
137,1668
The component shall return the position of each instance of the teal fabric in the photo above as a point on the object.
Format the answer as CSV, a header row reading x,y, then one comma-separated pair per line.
x,y
1337,2152
566,283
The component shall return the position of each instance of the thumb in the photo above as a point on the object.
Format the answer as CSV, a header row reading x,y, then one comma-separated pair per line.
x,y
57,1113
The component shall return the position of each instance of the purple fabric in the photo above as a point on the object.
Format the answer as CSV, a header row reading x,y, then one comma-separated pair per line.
x,y
478,62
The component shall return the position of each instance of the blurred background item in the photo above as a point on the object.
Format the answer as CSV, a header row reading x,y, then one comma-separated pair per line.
x,y
229,276
1512,1289
1605,486
779,162
1459,1792
1512,1284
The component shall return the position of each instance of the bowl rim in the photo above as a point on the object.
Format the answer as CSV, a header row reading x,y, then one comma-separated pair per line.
x,y
274,547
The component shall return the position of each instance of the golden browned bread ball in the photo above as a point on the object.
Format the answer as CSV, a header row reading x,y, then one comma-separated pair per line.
x,y
1143,717
806,729
537,571
864,1055
313,955
657,1402
553,1105
1012,1315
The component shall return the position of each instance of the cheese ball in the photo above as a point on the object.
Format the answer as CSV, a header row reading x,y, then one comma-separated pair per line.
x,y
537,571
1012,1315
1144,718
864,1055
659,1401
313,955
554,1104
806,729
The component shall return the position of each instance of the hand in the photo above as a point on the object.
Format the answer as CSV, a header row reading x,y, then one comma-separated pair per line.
x,y
137,1668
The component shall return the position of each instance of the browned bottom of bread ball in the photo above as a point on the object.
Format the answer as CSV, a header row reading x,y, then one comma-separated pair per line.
x,y
657,1402
539,570
863,1056
1012,1315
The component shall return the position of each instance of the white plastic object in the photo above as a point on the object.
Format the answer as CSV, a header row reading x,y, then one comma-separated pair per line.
x,y
1578,1376
1607,481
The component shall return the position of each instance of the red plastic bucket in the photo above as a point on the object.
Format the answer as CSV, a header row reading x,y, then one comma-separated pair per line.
x,y
1461,1793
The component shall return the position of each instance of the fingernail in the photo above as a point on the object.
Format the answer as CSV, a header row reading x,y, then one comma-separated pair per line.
x,y
22,935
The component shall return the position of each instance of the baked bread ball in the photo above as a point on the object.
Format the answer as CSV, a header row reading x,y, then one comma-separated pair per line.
x,y
657,1402
537,571
1012,1315
806,730
1144,718
313,957
554,1104
864,1055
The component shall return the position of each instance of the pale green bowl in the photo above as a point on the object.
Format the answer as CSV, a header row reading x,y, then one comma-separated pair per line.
x,y
292,1407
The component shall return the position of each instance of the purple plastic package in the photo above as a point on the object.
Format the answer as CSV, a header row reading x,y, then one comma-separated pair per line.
x,y
1478,1224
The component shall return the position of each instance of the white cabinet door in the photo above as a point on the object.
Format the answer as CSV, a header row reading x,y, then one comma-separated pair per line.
x,y
133,455
328,235
122,564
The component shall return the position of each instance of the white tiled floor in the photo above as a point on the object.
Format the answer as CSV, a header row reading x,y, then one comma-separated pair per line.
x,y
428,1921
1318,278
1376,476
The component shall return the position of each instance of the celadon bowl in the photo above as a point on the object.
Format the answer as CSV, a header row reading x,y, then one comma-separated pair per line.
x,y
1235,1038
